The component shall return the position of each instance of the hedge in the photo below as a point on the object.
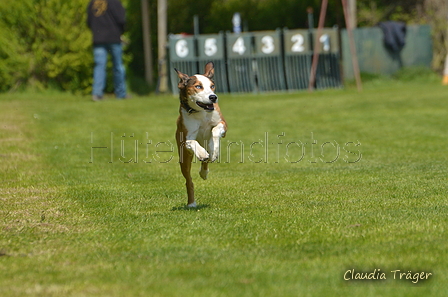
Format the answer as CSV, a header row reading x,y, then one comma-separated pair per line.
x,y
45,43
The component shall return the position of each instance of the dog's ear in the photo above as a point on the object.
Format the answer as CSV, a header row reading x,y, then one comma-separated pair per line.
x,y
209,70
183,77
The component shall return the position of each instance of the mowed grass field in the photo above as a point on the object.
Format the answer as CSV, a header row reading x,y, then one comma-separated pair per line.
x,y
312,191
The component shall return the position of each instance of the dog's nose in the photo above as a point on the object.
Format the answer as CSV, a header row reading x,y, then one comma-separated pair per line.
x,y
213,98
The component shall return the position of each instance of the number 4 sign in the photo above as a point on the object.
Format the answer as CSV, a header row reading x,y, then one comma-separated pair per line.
x,y
239,46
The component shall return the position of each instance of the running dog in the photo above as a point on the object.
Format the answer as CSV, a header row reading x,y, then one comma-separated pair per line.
x,y
200,125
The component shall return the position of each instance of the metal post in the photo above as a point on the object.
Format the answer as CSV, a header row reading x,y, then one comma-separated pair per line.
x,y
323,11
147,42
351,39
352,13
310,14
196,24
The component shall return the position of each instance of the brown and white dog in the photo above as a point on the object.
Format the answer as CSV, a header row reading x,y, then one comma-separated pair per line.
x,y
200,124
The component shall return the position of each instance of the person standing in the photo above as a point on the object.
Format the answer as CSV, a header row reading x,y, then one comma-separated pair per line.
x,y
106,19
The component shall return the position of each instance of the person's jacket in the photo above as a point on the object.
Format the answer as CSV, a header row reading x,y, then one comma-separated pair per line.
x,y
106,19
394,35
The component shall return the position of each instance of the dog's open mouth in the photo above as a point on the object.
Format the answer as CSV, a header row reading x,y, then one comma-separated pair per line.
x,y
208,107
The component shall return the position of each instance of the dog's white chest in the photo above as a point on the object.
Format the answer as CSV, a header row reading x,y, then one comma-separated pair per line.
x,y
199,125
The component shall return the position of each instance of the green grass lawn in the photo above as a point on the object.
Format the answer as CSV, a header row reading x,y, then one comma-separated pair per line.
x,y
308,187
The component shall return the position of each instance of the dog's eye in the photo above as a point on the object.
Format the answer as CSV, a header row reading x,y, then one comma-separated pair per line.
x,y
212,87
198,87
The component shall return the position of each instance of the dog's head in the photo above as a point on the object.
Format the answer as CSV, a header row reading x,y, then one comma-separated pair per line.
x,y
197,92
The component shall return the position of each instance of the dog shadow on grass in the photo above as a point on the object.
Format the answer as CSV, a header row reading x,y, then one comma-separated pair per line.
x,y
197,208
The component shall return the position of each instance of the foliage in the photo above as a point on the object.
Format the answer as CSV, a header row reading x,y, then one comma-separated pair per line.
x,y
14,60
434,12
371,12
136,69
216,16
417,73
51,39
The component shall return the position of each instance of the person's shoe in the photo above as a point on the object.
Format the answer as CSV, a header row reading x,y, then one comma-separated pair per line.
x,y
97,98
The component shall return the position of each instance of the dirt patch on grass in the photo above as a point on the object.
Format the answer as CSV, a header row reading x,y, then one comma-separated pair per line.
x,y
28,203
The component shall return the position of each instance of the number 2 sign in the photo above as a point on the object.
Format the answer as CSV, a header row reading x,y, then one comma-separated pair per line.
x,y
297,41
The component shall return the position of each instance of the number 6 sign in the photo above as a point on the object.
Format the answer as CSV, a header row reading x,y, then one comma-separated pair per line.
x,y
181,47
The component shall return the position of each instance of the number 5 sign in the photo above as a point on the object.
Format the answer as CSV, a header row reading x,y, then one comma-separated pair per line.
x,y
211,46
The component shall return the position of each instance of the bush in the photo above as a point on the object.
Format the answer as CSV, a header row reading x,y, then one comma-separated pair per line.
x,y
14,61
416,73
45,43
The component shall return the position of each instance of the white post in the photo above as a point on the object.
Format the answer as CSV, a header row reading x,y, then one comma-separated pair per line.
x,y
445,70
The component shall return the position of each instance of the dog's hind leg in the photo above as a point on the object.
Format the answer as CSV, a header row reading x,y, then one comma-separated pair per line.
x,y
204,170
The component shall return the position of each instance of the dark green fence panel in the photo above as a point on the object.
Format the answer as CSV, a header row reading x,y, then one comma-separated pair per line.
x,y
269,71
182,51
240,63
328,74
373,57
212,48
418,50
298,55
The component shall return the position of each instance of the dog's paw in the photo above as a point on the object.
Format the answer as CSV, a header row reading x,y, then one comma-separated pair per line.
x,y
214,157
197,149
203,174
192,205
202,155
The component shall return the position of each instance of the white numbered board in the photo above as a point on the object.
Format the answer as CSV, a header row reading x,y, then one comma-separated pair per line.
x,y
327,40
182,48
239,45
297,42
268,43
300,41
211,46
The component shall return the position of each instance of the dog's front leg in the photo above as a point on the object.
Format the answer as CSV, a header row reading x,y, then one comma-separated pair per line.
x,y
217,132
185,158
194,147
